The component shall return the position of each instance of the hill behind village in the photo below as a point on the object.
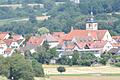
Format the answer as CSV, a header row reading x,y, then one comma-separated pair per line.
x,y
19,16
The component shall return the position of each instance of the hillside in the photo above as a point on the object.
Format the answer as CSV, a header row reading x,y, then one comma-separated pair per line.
x,y
64,14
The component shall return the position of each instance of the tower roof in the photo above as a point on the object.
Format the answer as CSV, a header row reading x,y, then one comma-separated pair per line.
x,y
91,18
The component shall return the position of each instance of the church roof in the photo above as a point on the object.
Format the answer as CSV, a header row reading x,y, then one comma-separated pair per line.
x,y
86,34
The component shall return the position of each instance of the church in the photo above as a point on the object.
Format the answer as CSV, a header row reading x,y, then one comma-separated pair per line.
x,y
90,40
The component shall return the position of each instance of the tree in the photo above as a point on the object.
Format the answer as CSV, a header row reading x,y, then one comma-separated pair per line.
x,y
32,19
28,54
46,45
4,66
61,69
87,59
42,56
53,52
105,57
75,57
63,60
20,68
43,30
37,67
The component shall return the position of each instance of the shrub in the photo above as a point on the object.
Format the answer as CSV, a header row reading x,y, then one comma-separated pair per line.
x,y
61,69
117,64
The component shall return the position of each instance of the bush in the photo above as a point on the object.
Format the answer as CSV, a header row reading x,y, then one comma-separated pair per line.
x,y
61,69
117,64
85,63
103,61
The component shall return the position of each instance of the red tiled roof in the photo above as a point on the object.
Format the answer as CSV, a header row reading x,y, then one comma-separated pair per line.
x,y
9,41
35,40
2,35
116,37
50,38
116,44
58,34
70,47
98,44
81,44
86,34
2,42
8,50
16,37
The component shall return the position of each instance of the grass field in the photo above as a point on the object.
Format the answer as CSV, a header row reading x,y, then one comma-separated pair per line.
x,y
83,73
52,69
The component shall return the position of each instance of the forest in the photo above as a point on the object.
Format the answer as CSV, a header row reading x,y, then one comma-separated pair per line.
x,y
62,15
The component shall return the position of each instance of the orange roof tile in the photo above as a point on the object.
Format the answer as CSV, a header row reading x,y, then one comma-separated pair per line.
x,y
49,38
81,44
8,50
86,34
116,44
9,41
35,40
2,35
58,34
70,47
98,44
16,37
2,42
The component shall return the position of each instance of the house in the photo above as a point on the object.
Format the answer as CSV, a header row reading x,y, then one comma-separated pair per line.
x,y
11,43
116,38
89,35
3,47
97,47
34,42
116,45
90,40
8,52
19,38
52,41
4,35
104,45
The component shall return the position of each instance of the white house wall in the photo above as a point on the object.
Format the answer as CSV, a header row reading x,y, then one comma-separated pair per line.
x,y
14,45
53,44
107,47
107,37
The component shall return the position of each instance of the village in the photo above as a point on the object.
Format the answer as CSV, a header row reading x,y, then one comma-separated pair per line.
x,y
90,40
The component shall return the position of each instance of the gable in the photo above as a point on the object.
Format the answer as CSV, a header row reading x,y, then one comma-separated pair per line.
x,y
107,37
107,46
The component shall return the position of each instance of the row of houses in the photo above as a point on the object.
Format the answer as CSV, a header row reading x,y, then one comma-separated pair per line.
x,y
97,42
90,40
9,43
94,41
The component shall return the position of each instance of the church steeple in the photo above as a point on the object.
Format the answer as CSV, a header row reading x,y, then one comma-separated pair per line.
x,y
91,24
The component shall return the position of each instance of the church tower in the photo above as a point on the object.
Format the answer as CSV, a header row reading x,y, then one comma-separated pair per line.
x,y
91,23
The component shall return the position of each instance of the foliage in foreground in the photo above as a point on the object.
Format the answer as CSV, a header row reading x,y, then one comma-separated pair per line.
x,y
17,67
